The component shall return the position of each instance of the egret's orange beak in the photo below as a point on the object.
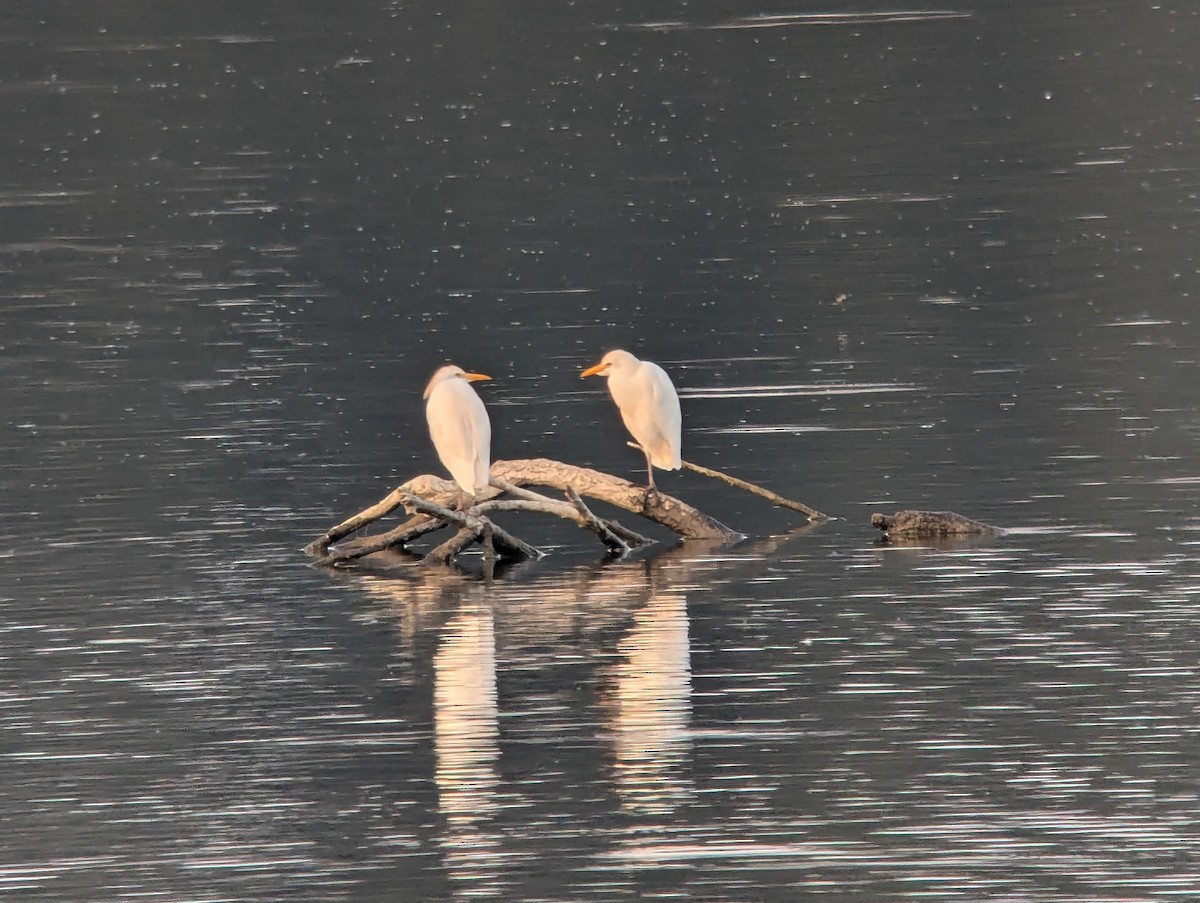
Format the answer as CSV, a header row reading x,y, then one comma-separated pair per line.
x,y
475,377
592,371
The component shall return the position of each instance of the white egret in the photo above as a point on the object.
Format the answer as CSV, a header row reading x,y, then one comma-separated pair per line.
x,y
460,429
648,404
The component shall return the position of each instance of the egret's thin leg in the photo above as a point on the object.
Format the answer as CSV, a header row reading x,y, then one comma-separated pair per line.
x,y
650,474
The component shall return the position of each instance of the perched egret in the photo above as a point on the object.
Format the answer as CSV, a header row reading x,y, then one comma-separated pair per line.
x,y
460,429
648,404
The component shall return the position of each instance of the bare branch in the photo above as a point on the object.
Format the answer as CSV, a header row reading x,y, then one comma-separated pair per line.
x,y
535,501
615,544
446,552
519,492
401,535
425,485
738,483
506,543
774,497
659,507
428,498
631,536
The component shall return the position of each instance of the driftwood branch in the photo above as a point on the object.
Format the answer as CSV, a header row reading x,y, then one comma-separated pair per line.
x,y
446,552
577,511
774,497
506,543
615,544
665,510
429,498
426,486
738,483
413,528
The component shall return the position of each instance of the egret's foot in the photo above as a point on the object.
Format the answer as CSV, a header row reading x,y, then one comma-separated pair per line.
x,y
649,497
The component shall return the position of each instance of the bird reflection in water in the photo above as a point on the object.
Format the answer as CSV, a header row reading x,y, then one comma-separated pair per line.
x,y
466,741
651,708
627,621
454,611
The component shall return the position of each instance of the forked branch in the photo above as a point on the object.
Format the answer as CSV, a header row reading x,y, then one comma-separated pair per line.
x,y
428,499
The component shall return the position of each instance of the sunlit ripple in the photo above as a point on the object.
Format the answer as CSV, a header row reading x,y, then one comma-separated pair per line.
x,y
798,390
884,197
1002,664
791,20
210,322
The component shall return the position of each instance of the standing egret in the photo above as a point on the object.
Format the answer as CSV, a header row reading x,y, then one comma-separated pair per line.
x,y
460,429
648,404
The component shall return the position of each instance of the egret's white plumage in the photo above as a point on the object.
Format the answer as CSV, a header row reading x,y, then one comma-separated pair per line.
x,y
459,427
648,404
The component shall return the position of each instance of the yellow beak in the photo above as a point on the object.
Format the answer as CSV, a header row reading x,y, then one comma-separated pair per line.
x,y
592,371
475,377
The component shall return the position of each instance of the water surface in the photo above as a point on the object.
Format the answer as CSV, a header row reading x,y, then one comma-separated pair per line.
x,y
893,257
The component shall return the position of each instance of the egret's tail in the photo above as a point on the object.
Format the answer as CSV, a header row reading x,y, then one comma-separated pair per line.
x,y
665,458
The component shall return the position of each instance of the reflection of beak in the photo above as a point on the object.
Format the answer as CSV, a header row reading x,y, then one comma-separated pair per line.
x,y
592,371
475,377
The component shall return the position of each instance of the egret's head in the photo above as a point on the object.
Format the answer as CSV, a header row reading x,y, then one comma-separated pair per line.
x,y
450,371
614,360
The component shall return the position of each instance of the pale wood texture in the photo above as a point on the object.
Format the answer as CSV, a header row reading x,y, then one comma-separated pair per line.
x,y
428,497
662,509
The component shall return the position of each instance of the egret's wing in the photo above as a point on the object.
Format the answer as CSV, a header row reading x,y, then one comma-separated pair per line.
x,y
665,453
461,433
650,410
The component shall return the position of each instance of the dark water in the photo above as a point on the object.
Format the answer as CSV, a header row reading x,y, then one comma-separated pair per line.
x,y
894,257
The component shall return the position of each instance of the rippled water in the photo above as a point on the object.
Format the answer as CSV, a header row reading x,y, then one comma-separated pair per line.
x,y
893,257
